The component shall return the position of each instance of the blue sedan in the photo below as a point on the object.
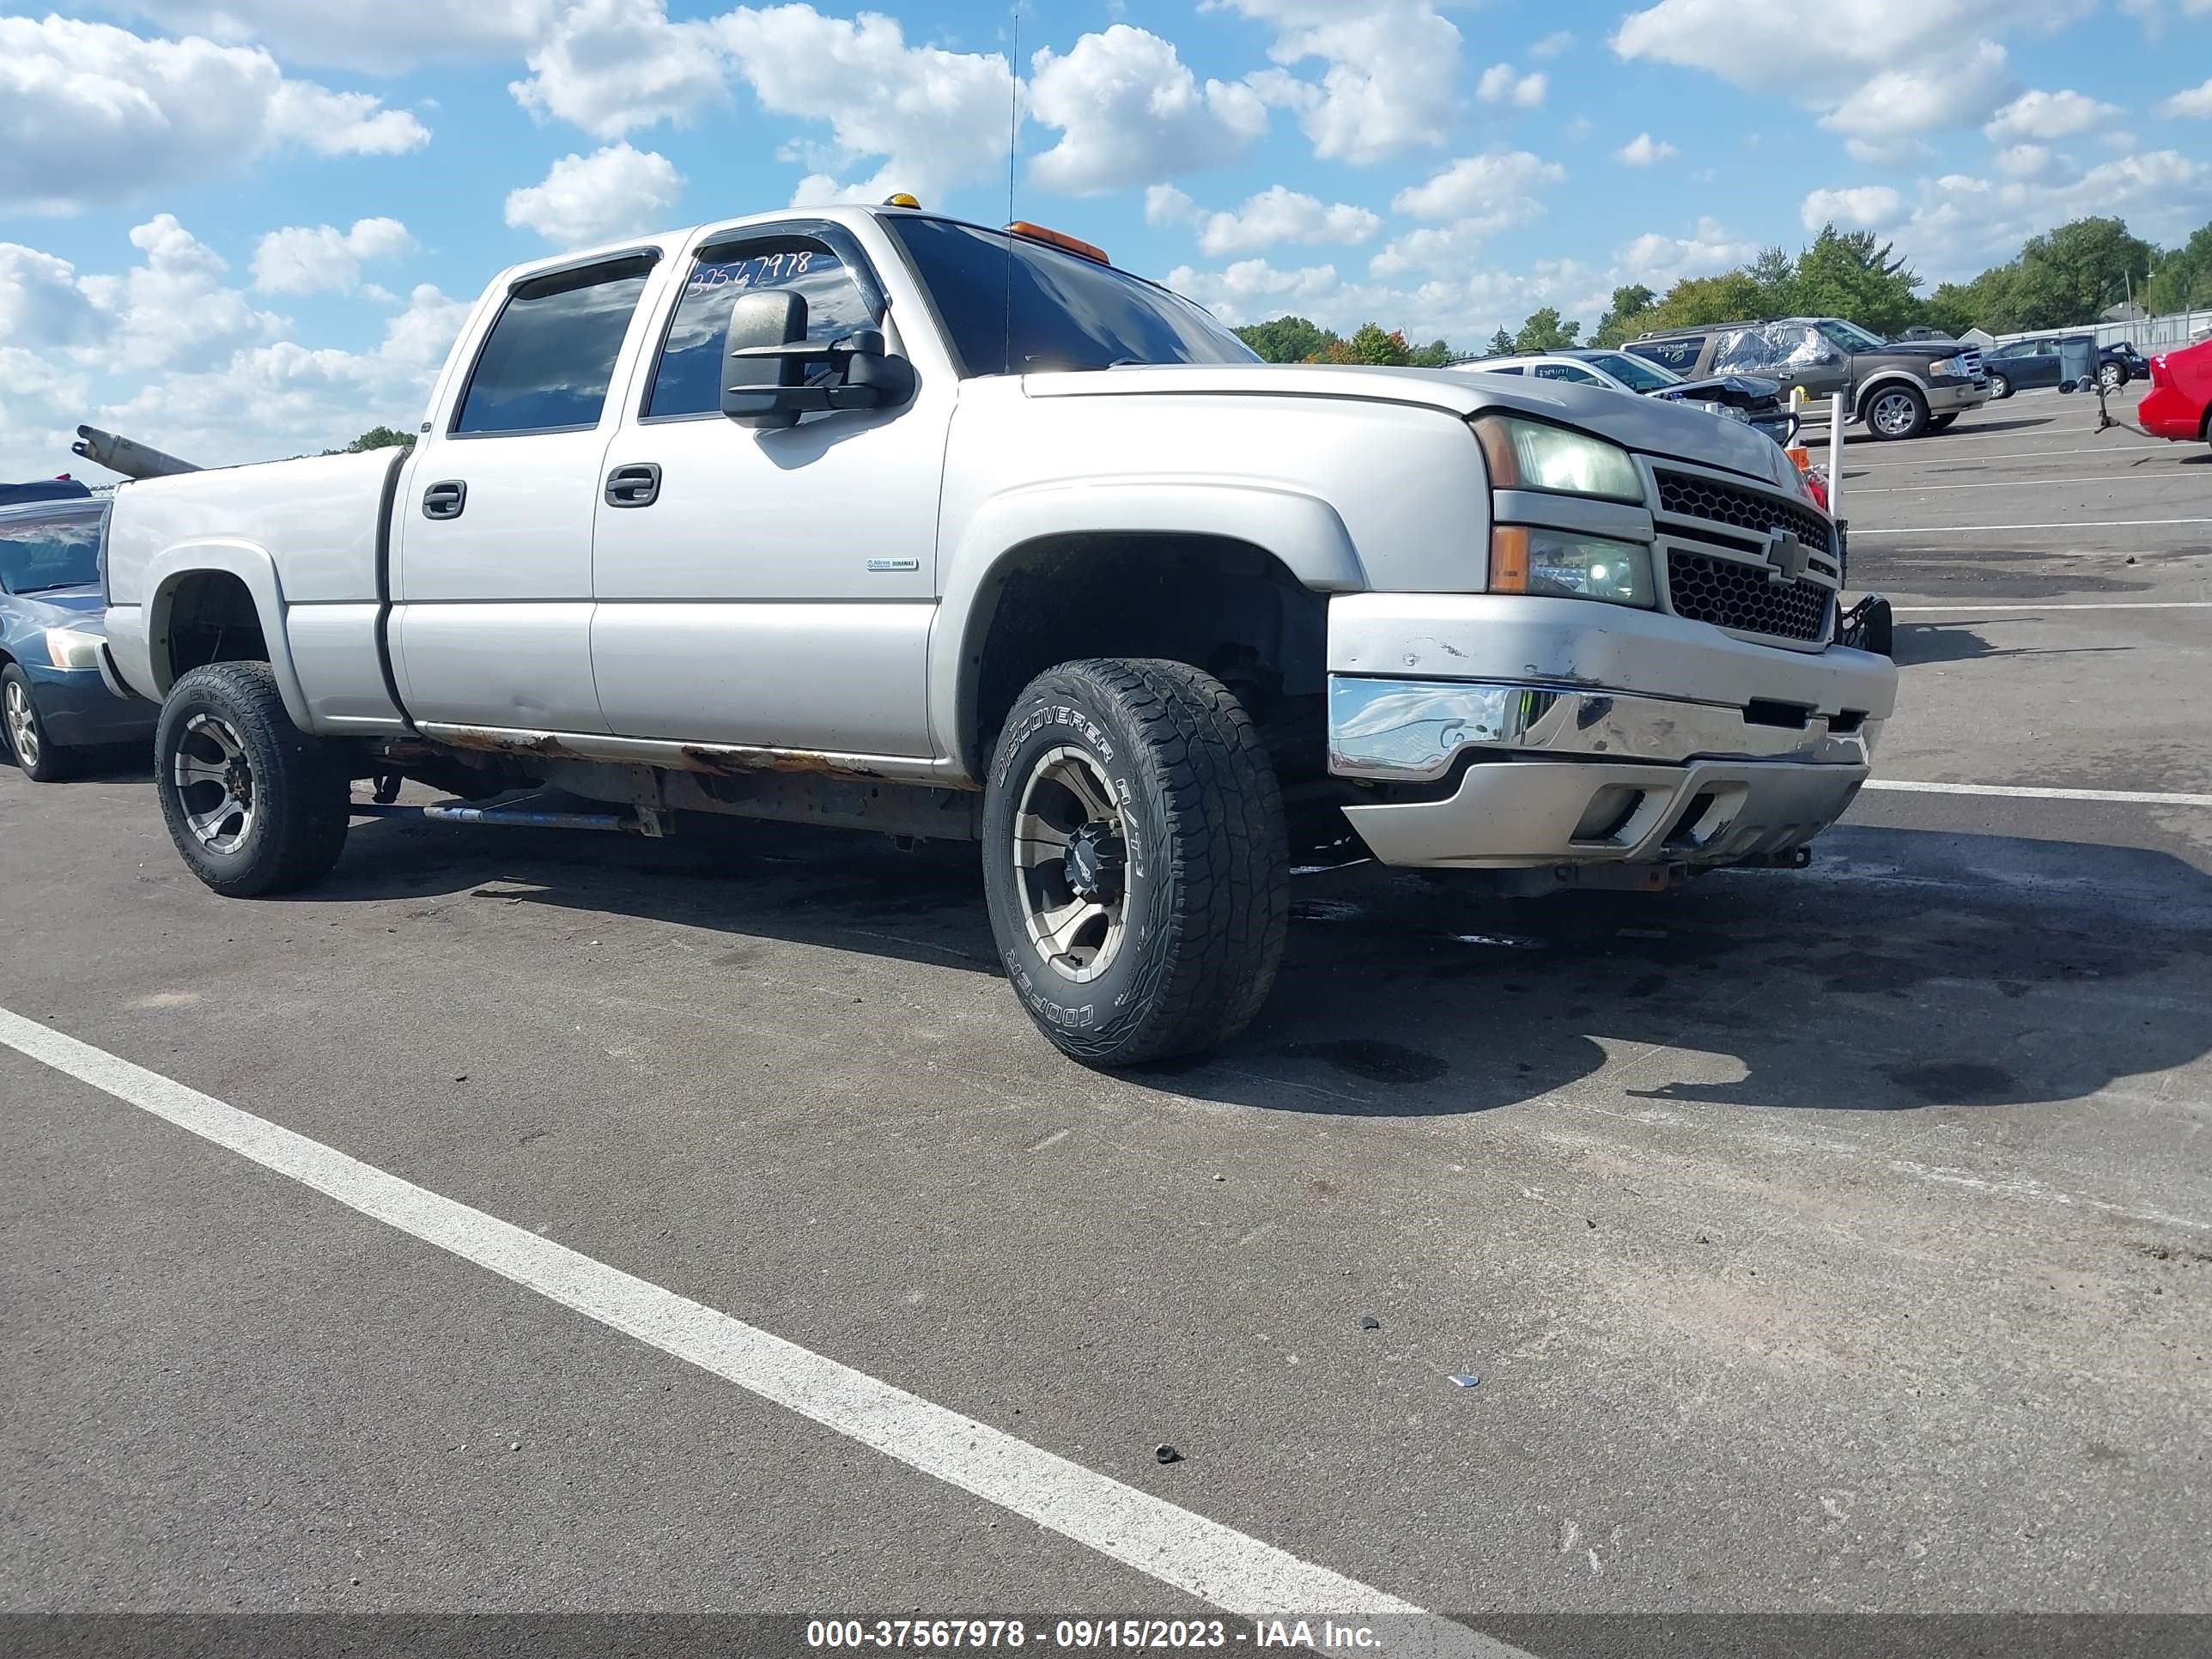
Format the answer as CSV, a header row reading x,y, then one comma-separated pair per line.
x,y
52,700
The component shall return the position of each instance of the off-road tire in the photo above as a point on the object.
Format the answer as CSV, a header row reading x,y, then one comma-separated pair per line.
x,y
300,788
42,760
1207,879
1914,426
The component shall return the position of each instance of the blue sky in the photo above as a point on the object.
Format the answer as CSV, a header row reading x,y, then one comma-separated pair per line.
x,y
243,228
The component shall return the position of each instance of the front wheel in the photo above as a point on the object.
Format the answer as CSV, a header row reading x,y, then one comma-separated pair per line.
x,y
1941,422
254,805
1135,860
35,756
1897,411
2000,387
2111,377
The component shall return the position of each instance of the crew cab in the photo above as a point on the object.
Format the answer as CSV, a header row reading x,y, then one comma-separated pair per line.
x,y
871,518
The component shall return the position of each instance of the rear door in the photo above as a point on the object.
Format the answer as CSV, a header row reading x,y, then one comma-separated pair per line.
x,y
1680,354
775,587
491,571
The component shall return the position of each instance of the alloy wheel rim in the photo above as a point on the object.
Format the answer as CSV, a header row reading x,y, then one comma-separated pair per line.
x,y
2111,376
1894,413
215,784
1071,850
23,726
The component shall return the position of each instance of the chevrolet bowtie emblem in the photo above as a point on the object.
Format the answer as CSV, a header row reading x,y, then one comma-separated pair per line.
x,y
1785,556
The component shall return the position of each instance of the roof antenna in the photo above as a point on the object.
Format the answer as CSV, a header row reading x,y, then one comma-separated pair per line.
x,y
1013,140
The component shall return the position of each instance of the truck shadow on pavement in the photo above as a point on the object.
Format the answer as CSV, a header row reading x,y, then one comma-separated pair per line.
x,y
1918,643
1907,969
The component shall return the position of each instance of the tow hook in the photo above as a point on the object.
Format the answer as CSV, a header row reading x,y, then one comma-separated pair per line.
x,y
1867,626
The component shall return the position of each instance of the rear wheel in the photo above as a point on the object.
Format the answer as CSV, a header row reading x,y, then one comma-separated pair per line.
x,y
1897,411
38,759
1135,860
254,805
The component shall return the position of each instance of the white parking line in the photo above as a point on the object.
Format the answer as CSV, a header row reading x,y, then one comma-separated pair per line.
x,y
1999,483
1959,528
2133,797
2013,455
1187,1552
2085,605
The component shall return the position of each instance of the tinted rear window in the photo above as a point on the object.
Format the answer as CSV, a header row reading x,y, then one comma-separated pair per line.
x,y
552,352
44,550
1017,307
1680,355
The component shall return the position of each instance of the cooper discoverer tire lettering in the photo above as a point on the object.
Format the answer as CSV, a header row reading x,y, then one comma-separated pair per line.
x,y
254,805
1135,862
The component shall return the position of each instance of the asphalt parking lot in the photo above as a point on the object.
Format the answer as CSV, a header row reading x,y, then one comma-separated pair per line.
x,y
1831,1241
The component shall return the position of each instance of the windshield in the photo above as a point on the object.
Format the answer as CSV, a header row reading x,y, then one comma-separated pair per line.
x,y
1849,335
1016,306
1634,373
43,551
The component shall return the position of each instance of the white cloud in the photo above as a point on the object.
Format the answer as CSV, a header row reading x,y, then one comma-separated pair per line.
x,y
322,258
1499,85
2030,161
1959,224
1479,185
90,114
1389,76
360,35
1643,150
1277,215
1463,308
937,118
173,311
1659,261
1880,70
613,193
1948,89
41,302
1862,208
1130,111
611,66
1553,44
2196,103
2037,114
1893,153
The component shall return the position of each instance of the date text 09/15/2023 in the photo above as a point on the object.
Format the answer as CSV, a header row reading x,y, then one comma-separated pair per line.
x,y
1088,1635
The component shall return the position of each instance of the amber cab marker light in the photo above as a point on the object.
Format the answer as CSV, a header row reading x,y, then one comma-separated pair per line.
x,y
1059,239
1497,450
901,200
1509,559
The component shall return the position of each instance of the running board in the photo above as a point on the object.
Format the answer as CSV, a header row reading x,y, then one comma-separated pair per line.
x,y
512,818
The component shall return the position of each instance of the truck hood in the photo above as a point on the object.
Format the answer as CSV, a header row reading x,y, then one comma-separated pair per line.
x,y
1650,424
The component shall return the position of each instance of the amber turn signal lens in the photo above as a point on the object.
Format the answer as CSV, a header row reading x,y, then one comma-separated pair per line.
x,y
1509,559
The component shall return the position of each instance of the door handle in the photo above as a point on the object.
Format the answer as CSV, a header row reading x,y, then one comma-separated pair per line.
x,y
445,500
633,486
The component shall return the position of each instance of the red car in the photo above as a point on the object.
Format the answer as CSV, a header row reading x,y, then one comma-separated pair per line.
x,y
2180,392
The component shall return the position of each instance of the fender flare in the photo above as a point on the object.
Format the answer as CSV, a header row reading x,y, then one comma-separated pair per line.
x,y
252,565
1879,378
1303,532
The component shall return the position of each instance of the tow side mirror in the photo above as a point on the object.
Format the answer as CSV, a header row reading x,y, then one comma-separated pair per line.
x,y
772,373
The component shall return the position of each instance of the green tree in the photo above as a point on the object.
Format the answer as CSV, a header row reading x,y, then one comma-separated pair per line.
x,y
2066,276
1850,275
1372,344
1287,339
1544,331
380,437
2181,280
1631,306
1501,345
1732,296
1434,355
1773,275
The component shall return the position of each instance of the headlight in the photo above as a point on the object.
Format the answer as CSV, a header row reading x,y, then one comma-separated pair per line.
x,y
1953,367
70,648
1726,412
1530,455
1559,564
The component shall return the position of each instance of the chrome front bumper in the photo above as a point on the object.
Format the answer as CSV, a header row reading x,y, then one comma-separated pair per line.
x,y
1557,774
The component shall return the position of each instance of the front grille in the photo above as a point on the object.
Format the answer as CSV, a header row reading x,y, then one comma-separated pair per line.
x,y
1741,596
1971,360
1685,495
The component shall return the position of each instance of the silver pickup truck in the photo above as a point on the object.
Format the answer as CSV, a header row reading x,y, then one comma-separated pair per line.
x,y
869,516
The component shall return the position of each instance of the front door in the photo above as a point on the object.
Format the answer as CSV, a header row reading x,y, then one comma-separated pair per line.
x,y
768,587
491,571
